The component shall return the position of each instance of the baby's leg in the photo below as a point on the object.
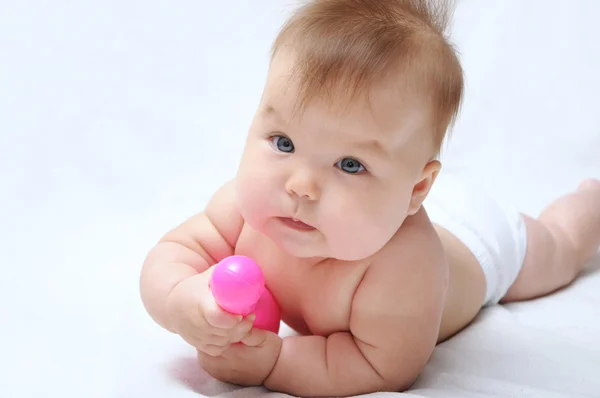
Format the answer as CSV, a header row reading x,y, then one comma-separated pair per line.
x,y
559,243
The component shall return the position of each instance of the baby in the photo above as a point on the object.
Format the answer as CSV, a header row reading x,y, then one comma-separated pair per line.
x,y
372,258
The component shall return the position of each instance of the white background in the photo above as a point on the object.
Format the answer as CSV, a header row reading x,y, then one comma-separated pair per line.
x,y
118,119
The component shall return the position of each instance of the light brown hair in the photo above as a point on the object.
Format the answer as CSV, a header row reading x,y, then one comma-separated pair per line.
x,y
345,46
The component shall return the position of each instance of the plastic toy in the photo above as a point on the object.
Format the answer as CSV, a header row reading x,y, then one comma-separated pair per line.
x,y
238,286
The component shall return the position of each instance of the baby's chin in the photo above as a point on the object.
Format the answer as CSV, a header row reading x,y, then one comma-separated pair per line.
x,y
303,253
307,251
298,248
310,245
356,250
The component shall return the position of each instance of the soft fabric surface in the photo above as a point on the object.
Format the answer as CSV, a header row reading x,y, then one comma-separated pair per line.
x,y
119,119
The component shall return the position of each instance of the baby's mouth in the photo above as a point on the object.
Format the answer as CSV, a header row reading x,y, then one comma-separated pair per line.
x,y
296,224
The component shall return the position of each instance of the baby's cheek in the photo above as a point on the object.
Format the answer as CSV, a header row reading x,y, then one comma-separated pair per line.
x,y
380,221
248,194
257,199
354,232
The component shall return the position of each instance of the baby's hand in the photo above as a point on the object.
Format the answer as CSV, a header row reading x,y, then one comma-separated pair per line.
x,y
197,318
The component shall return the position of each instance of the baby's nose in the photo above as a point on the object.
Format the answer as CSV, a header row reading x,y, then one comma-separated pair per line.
x,y
304,185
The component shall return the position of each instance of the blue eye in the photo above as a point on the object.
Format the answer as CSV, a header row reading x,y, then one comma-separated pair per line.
x,y
283,144
350,165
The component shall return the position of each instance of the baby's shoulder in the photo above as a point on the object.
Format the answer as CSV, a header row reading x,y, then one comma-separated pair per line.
x,y
223,213
415,253
397,308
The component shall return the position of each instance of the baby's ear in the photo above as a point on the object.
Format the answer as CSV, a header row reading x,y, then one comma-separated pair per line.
x,y
422,187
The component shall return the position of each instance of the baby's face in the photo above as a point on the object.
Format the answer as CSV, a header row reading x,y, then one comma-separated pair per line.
x,y
347,177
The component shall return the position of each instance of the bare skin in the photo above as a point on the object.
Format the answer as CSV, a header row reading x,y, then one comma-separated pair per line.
x,y
319,299
560,242
330,205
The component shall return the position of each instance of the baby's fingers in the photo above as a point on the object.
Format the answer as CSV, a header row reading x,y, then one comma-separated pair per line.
x,y
242,329
256,338
221,319
215,316
212,350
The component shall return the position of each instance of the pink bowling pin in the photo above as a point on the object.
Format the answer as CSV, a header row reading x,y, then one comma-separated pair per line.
x,y
238,286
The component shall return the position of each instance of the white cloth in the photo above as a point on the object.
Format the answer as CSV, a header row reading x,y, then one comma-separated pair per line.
x,y
494,232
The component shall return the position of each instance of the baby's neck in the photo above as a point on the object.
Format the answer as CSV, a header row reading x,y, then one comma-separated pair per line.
x,y
313,262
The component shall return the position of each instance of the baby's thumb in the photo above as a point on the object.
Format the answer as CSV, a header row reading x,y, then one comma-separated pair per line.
x,y
215,315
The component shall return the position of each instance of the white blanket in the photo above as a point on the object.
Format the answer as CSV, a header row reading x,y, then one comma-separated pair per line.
x,y
119,119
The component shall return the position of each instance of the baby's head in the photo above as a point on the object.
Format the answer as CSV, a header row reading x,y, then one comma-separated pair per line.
x,y
358,99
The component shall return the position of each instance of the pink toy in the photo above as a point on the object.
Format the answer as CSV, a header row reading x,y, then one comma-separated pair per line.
x,y
238,285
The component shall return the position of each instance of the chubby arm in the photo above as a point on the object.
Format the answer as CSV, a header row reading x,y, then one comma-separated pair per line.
x,y
188,250
394,325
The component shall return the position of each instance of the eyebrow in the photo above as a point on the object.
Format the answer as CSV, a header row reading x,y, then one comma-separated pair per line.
x,y
371,145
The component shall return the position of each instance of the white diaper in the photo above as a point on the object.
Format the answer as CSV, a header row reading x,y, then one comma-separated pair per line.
x,y
493,231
